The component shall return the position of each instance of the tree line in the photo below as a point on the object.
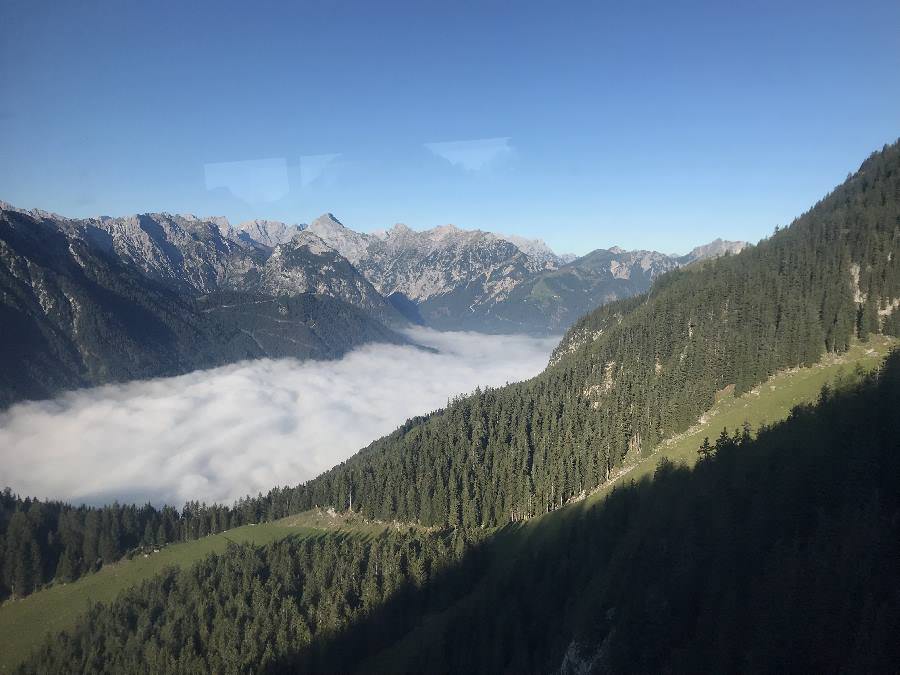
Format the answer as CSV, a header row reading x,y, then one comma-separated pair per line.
x,y
251,609
44,541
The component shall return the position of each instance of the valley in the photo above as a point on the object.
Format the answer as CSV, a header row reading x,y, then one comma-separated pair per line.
x,y
24,623
217,435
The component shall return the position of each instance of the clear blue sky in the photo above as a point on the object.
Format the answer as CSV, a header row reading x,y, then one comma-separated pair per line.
x,y
656,125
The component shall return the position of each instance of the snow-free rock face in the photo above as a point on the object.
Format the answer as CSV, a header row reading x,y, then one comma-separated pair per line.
x,y
86,302
714,249
306,264
538,250
445,277
445,259
448,272
197,256
352,245
186,253
267,233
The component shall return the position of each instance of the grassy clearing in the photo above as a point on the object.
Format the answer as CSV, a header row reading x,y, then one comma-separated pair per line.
x,y
770,402
24,623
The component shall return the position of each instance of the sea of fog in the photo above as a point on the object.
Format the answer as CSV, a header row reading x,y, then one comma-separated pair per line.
x,y
220,434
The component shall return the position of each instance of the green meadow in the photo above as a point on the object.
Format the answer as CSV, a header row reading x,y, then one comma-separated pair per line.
x,y
24,623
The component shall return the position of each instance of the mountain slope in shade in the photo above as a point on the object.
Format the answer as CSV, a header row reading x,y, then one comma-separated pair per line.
x,y
196,256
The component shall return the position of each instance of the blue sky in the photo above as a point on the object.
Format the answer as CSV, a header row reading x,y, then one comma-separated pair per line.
x,y
654,125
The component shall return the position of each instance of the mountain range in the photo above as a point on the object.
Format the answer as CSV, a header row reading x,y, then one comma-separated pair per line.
x,y
89,301
450,278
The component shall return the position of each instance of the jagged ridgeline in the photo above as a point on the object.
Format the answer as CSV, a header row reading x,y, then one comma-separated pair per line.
x,y
75,313
636,371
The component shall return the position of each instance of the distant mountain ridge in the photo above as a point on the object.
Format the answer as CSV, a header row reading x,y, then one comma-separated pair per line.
x,y
714,249
445,277
94,300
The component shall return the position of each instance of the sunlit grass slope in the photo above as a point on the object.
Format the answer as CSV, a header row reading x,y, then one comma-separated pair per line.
x,y
25,622
768,403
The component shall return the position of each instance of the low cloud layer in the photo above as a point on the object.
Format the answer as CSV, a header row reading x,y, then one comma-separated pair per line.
x,y
219,434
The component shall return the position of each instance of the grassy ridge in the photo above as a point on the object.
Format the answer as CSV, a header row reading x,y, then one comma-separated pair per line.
x,y
25,622
767,403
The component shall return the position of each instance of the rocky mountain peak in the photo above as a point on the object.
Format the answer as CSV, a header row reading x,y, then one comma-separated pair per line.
x,y
269,233
536,249
443,231
713,249
325,222
352,245
308,240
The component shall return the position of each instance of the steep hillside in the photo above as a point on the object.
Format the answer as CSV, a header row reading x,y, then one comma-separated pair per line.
x,y
26,623
306,264
554,298
774,554
196,256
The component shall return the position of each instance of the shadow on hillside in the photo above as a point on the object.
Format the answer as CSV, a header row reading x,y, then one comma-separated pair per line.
x,y
776,553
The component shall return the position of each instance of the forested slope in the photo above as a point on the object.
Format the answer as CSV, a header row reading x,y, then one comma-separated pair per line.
x,y
251,609
636,371
774,554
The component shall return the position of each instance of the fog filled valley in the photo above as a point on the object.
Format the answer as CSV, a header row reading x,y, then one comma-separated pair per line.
x,y
221,434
